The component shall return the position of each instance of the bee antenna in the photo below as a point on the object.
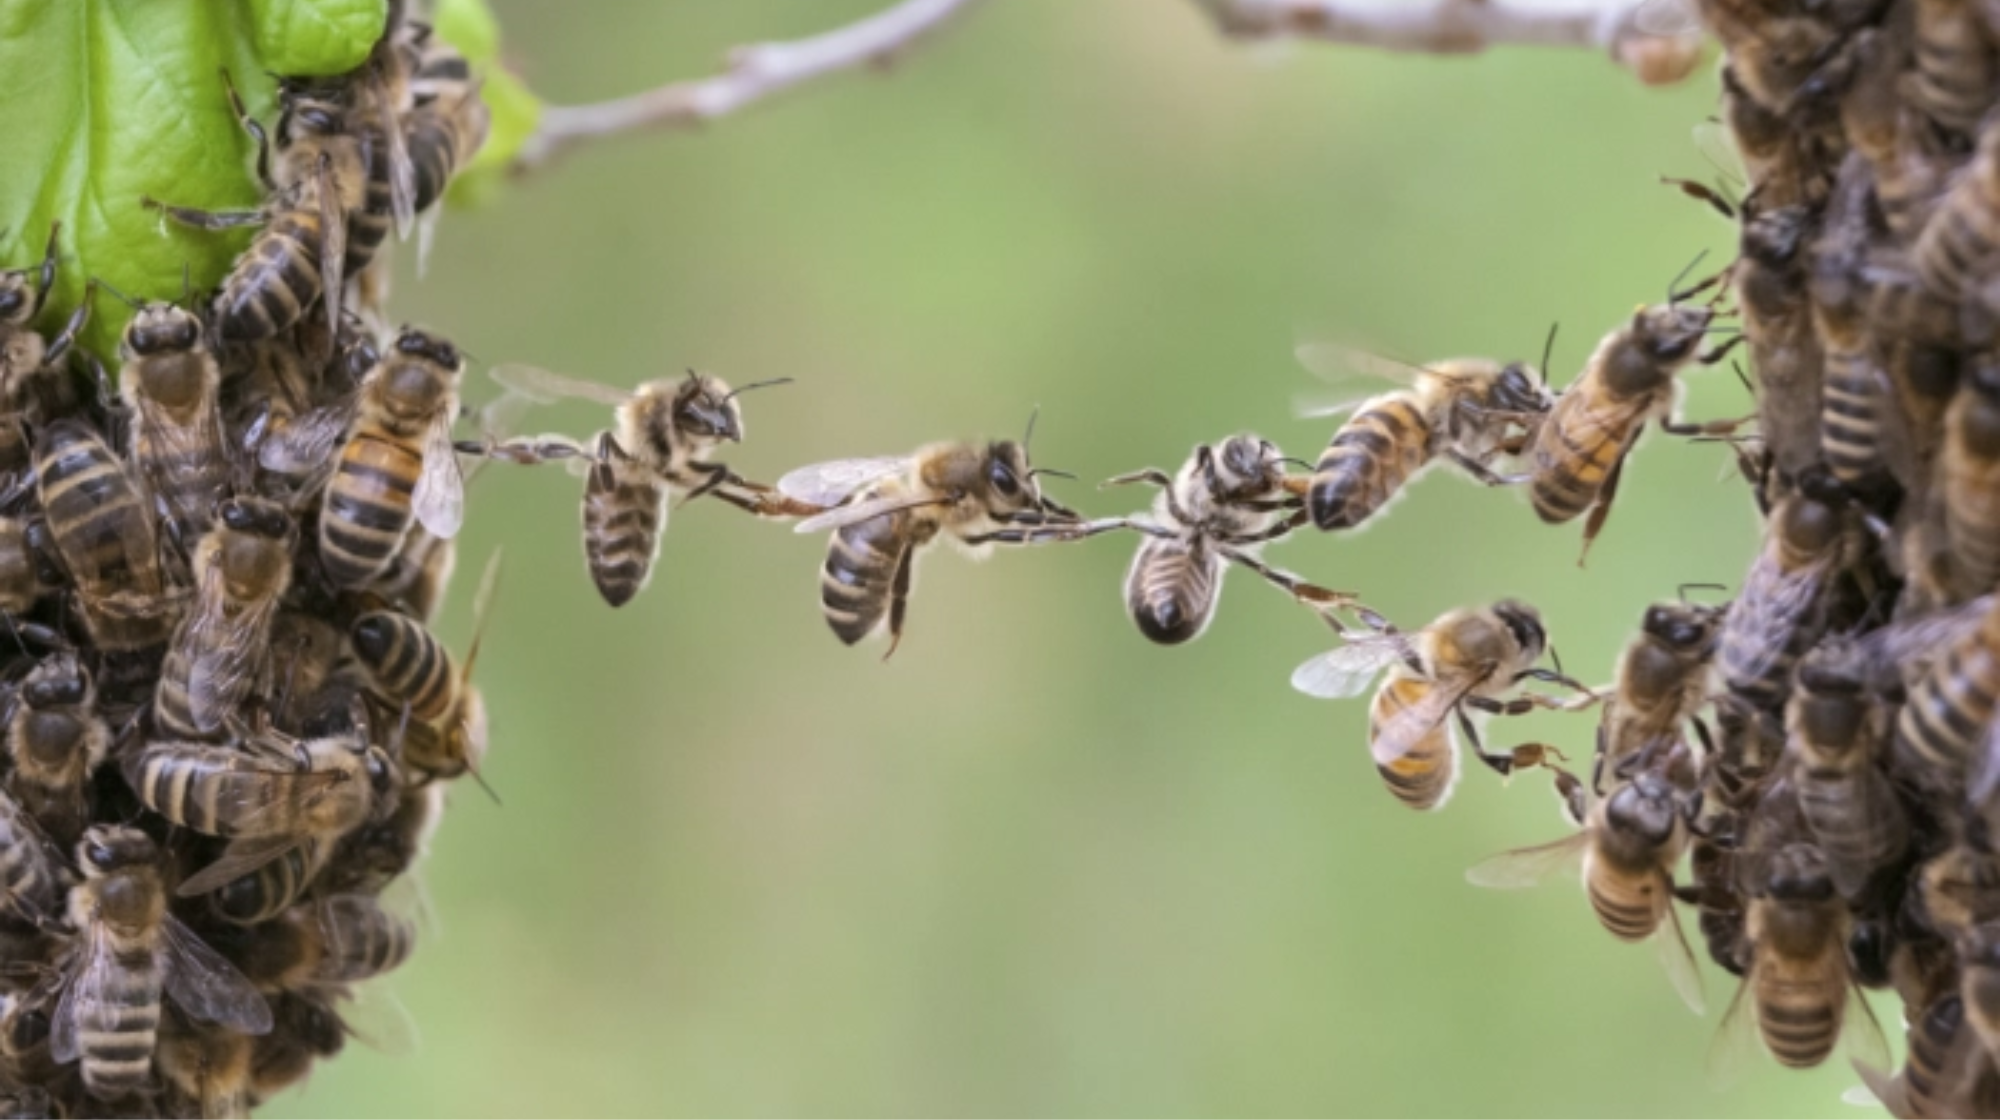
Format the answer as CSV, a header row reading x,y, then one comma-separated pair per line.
x,y
1028,439
1674,294
1298,462
1556,659
1035,472
1686,587
481,779
108,286
1548,351
1743,377
757,385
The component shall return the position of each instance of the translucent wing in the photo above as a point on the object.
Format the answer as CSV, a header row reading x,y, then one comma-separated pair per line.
x,y
89,985
1526,867
831,483
1337,363
167,441
1861,1033
308,442
1670,944
225,658
1736,1043
544,387
1773,603
1881,655
439,499
402,173
858,512
207,986
1400,733
1880,1088
1718,146
378,1020
333,244
240,858
1348,670
1307,406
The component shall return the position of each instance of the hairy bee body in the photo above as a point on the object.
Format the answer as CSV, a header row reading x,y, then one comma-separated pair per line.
x,y
104,532
624,515
448,124
1963,234
31,879
1660,684
867,561
1969,482
56,739
170,382
242,568
398,445
261,895
1423,777
1952,83
1799,973
222,791
1779,607
1949,706
1384,445
278,277
1635,841
1837,734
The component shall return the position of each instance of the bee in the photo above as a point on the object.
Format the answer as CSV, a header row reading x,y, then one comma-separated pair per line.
x,y
447,125
1956,73
101,530
887,510
1465,410
1979,982
1959,887
31,876
378,852
398,462
1579,451
1778,608
1941,731
170,382
1779,53
1628,847
307,1029
23,351
1948,1073
1711,889
1907,178
129,952
1969,481
341,939
1466,659
415,581
657,448
1661,683
1837,735
1855,388
210,1066
56,740
298,256
275,798
242,568
259,895
1220,506
1800,984
1964,231
26,573
445,731
306,649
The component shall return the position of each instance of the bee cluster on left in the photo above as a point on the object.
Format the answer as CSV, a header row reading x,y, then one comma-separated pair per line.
x,y
227,726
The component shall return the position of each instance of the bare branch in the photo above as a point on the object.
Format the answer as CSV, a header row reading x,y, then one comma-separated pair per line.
x,y
756,72
1662,47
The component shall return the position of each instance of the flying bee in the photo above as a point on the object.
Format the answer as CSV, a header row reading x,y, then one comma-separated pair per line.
x,y
23,351
1464,410
170,382
445,733
1661,683
1628,848
398,462
100,528
885,511
56,740
1779,606
130,951
1466,659
1838,734
277,797
241,568
300,250
658,447
1800,986
1579,451
1969,481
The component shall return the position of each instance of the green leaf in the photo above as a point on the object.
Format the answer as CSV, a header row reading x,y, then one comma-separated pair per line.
x,y
469,26
106,101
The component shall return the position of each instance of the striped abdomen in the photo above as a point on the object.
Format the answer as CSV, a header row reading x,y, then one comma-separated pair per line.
x,y
214,790
856,582
362,940
116,1032
1575,451
173,709
1850,416
1422,778
1799,1018
188,472
624,517
270,890
1952,81
1970,484
368,226
1855,819
104,531
1764,631
28,880
446,132
1171,590
1961,236
1942,1047
408,664
367,511
1629,903
1948,710
275,280
1369,459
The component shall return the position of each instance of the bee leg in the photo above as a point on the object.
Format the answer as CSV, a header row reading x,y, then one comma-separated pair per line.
x,y
1312,593
205,219
255,130
1502,764
1600,509
1585,698
1151,475
717,475
1701,732
1275,532
60,344
899,599
1045,533
1480,472
48,276
1597,762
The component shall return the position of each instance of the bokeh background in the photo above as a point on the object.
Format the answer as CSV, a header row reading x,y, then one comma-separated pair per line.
x,y
1035,864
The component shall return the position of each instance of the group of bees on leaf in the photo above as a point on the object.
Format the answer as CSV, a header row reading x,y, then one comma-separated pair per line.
x,y
227,726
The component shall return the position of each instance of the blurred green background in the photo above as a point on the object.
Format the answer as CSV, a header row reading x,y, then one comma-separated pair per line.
x,y
1035,864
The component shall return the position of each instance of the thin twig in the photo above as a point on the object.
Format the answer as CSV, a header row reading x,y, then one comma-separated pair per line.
x,y
756,72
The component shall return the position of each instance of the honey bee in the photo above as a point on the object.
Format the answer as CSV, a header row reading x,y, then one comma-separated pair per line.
x,y
242,568
1837,734
1466,659
885,511
169,382
1979,982
210,1066
307,1029
299,254
1800,985
306,649
130,951
1579,451
415,581
1628,848
1948,1073
445,731
1907,178
1943,730
275,798
1953,81
1779,606
657,448
447,124
100,528
1855,388
1465,410
1661,683
1963,233
1711,889
1969,481
1221,506
31,876
23,351
1778,53
259,895
341,939
26,575
56,740
397,463
376,853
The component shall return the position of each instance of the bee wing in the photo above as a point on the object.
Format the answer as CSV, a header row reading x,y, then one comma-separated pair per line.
x,y
833,482
89,984
307,443
1347,670
242,856
858,512
1670,944
1881,655
374,1017
1526,867
1669,18
402,173
1335,362
1772,602
1736,1042
543,387
172,442
1861,1034
439,499
1878,1090
1311,406
1400,733
207,986
333,245
219,675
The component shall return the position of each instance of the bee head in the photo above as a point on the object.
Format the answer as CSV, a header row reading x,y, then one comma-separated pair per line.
x,y
705,409
1798,874
1644,808
1524,625
1773,236
428,347
1814,519
162,328
1246,464
310,108
256,517
1518,389
1669,333
1679,626
1010,481
108,848
57,682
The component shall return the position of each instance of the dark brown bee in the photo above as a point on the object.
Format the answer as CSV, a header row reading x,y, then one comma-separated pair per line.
x,y
170,382
1660,685
56,739
102,529
241,569
1839,737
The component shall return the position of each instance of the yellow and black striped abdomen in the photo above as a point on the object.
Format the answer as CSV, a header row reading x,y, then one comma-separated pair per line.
x,y
270,890
367,511
1948,709
857,579
1629,903
408,664
1799,1014
1369,459
104,532
206,788
368,226
28,883
117,1030
1850,416
173,711
1575,451
435,143
1971,489
1961,235
1171,589
1952,81
274,281
1422,778
624,517
362,939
